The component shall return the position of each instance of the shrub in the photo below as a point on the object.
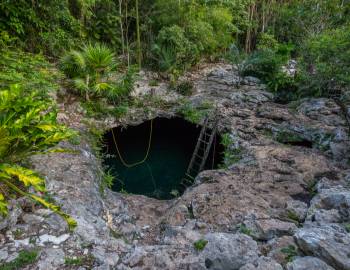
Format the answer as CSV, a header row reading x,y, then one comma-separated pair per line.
x,y
31,71
174,50
27,127
267,65
326,64
267,41
90,72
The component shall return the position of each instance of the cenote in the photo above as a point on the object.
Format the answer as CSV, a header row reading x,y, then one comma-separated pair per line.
x,y
172,145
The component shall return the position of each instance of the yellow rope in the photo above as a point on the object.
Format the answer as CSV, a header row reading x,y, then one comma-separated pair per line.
x,y
147,153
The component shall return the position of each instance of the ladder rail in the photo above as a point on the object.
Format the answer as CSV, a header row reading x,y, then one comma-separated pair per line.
x,y
202,150
197,146
205,156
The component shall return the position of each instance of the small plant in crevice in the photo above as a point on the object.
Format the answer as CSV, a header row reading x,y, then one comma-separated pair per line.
x,y
288,137
323,141
293,217
312,187
290,252
195,114
347,227
118,235
185,88
87,260
107,180
24,258
200,244
242,228
175,193
232,152
18,233
190,211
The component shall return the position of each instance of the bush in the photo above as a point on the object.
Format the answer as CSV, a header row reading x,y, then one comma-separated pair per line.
x,y
267,41
267,65
173,50
326,64
31,71
27,127
90,71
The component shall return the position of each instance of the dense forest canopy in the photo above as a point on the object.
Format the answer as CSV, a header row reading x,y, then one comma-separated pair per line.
x,y
94,48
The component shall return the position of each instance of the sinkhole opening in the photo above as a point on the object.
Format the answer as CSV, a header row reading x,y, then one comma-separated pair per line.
x,y
173,142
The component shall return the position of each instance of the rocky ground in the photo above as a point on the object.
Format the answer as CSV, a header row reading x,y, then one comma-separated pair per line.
x,y
284,204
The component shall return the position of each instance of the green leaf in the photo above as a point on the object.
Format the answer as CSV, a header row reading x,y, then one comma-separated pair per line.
x,y
26,176
3,205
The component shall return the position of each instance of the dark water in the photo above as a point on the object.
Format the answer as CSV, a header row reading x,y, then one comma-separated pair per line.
x,y
173,143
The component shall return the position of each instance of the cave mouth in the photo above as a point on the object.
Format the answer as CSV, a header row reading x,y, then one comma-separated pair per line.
x,y
172,145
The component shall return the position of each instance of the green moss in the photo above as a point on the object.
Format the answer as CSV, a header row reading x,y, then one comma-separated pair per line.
x,y
73,261
87,260
288,137
24,258
194,113
200,244
153,83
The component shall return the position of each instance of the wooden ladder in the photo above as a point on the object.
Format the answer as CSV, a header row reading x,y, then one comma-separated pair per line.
x,y
201,151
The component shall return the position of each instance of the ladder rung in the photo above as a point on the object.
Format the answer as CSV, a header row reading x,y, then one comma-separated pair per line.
x,y
190,176
200,156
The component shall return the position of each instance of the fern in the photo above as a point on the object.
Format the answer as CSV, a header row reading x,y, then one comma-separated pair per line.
x,y
27,127
90,73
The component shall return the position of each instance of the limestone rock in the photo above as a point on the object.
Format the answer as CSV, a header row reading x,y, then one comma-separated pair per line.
x,y
308,263
337,198
228,251
56,240
266,229
14,212
274,248
263,263
297,208
322,216
51,258
329,243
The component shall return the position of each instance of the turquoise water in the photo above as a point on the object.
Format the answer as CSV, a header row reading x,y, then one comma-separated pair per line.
x,y
173,142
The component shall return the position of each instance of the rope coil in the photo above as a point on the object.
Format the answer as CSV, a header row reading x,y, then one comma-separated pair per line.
x,y
147,152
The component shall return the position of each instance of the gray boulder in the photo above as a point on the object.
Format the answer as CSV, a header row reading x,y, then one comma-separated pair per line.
x,y
13,214
308,263
229,251
263,263
267,229
329,243
337,198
